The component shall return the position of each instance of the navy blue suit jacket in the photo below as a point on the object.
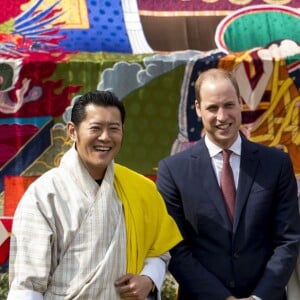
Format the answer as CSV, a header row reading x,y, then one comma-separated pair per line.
x,y
257,253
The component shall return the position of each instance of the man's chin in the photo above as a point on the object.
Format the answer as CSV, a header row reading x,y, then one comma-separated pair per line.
x,y
225,141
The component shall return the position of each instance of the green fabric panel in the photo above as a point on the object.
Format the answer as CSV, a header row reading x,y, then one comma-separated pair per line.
x,y
151,124
261,28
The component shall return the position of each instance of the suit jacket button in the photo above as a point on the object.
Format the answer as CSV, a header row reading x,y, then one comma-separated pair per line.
x,y
236,255
231,284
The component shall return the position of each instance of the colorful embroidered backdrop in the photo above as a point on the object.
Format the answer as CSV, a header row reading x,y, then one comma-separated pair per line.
x,y
53,51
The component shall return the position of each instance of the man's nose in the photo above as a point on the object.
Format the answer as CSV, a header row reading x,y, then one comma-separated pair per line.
x,y
221,114
104,134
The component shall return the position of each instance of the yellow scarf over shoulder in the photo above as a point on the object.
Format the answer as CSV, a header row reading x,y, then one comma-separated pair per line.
x,y
150,229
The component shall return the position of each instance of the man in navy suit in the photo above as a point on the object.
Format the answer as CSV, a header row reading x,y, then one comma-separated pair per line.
x,y
249,256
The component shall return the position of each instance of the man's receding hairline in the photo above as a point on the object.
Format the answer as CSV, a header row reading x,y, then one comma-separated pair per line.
x,y
213,75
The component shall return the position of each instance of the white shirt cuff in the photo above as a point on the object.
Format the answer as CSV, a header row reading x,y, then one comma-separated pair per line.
x,y
155,268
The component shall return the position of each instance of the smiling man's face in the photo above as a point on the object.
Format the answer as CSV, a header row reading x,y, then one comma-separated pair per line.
x,y
98,138
220,110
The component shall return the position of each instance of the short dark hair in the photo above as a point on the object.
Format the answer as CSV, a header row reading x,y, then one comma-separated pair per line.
x,y
100,98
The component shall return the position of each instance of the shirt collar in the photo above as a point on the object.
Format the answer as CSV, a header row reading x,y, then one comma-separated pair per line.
x,y
214,149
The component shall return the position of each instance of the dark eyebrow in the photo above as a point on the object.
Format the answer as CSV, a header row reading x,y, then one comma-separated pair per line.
x,y
210,106
109,123
115,123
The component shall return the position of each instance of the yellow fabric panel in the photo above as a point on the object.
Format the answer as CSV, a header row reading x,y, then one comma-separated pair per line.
x,y
150,229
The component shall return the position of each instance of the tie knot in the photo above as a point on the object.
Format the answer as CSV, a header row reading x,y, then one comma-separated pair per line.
x,y
226,155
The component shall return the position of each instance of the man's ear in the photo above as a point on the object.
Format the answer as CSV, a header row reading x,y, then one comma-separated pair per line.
x,y
197,108
71,130
241,101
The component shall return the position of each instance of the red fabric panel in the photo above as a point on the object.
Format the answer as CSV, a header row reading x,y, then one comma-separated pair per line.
x,y
14,188
151,176
4,248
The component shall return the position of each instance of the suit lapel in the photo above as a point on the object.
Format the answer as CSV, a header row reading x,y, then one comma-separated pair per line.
x,y
248,167
204,169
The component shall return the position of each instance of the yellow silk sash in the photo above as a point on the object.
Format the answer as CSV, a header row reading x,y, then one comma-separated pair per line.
x,y
149,228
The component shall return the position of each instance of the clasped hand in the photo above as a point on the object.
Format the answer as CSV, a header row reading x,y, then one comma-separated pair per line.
x,y
134,287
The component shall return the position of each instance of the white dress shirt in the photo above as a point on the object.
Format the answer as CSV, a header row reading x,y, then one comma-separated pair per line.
x,y
215,153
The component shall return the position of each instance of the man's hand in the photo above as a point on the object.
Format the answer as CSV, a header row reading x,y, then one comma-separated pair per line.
x,y
134,287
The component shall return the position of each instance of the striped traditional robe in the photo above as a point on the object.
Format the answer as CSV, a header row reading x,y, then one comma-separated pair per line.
x,y
72,239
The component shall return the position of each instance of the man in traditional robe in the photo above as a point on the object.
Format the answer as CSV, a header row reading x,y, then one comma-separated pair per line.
x,y
91,228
